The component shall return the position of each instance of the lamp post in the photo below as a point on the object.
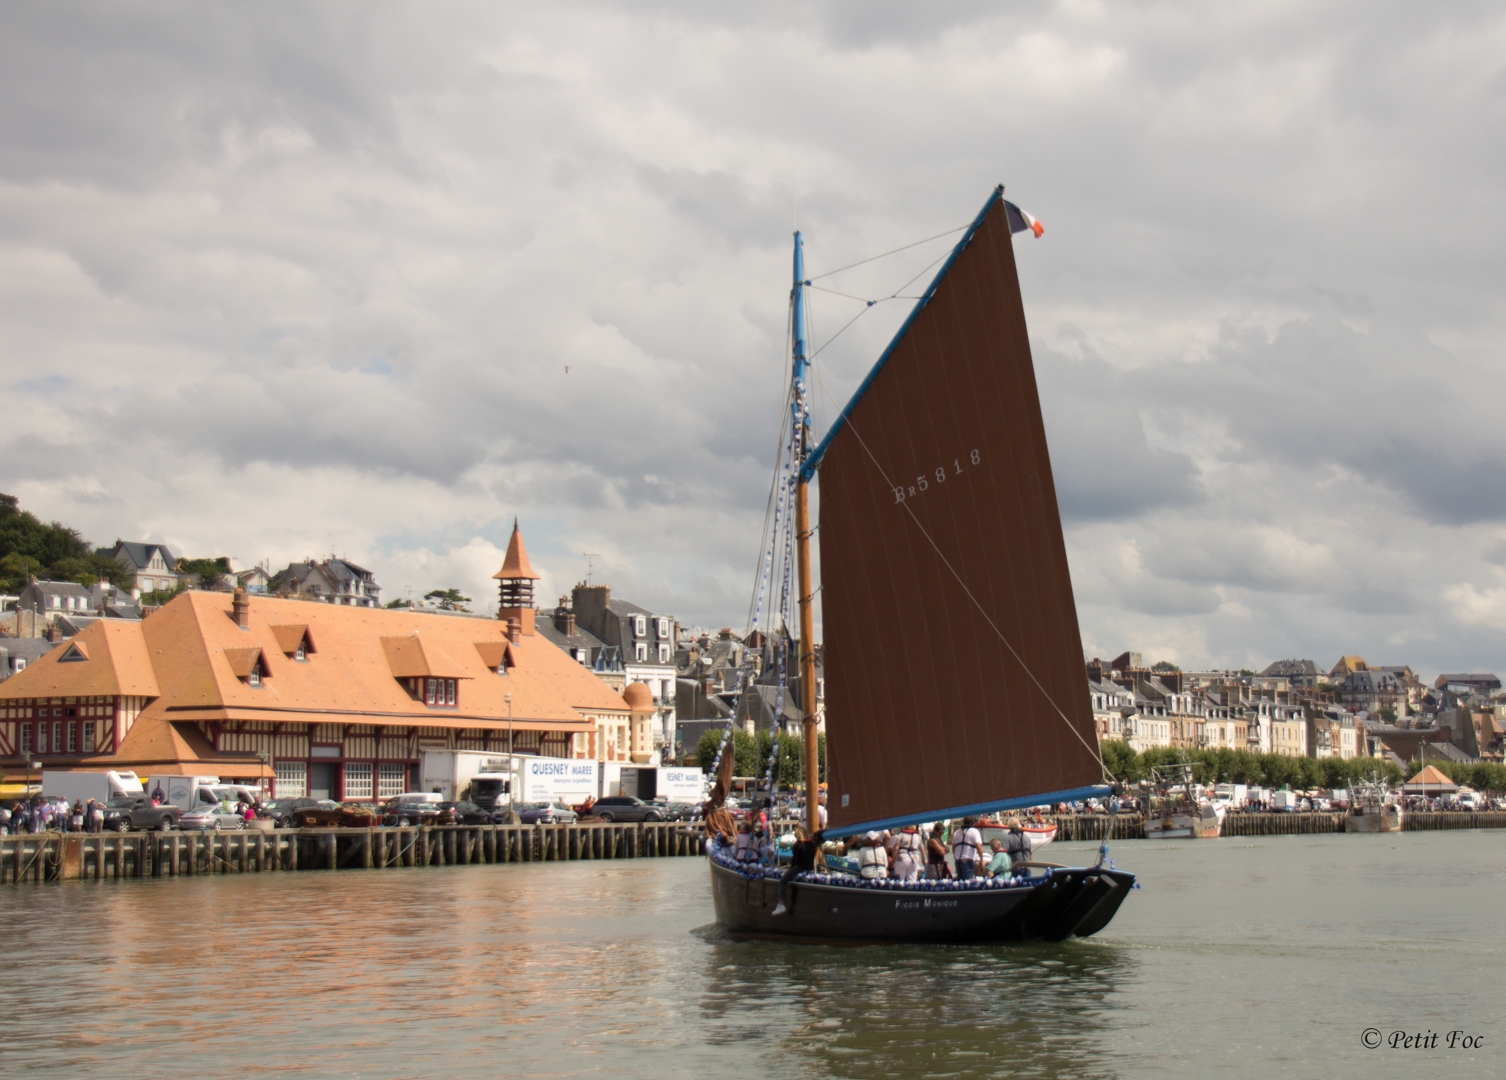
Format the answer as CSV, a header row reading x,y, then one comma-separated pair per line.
x,y
512,765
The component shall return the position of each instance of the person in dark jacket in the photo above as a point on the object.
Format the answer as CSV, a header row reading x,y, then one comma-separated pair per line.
x,y
802,861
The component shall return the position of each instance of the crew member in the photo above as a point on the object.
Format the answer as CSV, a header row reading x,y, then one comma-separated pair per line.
x,y
802,861
967,849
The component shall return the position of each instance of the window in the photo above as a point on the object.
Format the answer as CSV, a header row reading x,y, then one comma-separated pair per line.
x,y
640,652
41,738
25,739
73,738
88,746
640,626
20,663
429,685
292,779
663,629
357,780
450,691
392,780
298,653
254,678
663,654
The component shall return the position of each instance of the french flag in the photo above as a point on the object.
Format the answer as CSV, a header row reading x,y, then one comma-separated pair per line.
x,y
1019,221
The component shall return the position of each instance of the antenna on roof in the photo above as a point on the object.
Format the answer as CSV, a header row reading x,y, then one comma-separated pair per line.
x,y
589,556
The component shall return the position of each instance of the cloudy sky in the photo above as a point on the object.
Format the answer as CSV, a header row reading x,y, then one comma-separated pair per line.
x,y
284,280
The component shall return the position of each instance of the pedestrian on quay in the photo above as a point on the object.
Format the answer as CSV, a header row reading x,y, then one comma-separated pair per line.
x,y
94,816
246,809
76,818
158,797
936,865
908,855
4,819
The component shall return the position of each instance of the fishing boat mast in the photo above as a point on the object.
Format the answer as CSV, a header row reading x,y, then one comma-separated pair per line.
x,y
800,417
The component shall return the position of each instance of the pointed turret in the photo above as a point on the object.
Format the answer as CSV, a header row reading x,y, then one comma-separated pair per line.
x,y
516,580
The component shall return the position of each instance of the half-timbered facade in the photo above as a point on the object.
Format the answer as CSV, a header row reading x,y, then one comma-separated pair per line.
x,y
331,701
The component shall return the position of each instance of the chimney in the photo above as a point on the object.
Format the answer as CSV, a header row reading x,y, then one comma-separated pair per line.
x,y
564,619
240,608
53,633
515,631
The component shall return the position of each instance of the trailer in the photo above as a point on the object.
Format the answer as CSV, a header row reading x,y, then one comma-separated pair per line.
x,y
465,774
649,782
490,779
78,786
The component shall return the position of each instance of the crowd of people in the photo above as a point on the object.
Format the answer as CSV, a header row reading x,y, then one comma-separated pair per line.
x,y
38,814
906,854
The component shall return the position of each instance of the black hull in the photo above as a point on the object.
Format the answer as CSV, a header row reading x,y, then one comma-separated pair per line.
x,y
1067,903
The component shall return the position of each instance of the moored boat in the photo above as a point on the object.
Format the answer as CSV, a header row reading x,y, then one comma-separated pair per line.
x,y
1372,811
1180,814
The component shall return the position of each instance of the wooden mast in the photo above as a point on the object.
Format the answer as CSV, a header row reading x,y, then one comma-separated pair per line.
x,y
800,417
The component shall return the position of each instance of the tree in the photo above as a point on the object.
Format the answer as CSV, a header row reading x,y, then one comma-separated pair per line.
x,y
1165,665
1121,761
55,552
206,573
1388,715
396,603
448,599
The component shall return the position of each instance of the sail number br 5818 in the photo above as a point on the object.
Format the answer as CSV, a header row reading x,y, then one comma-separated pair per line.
x,y
924,481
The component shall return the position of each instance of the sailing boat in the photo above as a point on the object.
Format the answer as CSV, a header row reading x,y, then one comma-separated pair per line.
x,y
953,663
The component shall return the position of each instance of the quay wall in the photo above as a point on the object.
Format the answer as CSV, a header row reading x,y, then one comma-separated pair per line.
x,y
99,856
1132,826
56,856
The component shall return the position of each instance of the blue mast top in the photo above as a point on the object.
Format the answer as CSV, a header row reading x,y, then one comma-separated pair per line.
x,y
798,362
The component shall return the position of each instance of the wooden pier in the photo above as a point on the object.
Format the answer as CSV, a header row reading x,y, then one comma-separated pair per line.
x,y
58,856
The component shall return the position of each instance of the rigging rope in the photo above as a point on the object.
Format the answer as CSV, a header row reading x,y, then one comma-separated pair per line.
x,y
886,254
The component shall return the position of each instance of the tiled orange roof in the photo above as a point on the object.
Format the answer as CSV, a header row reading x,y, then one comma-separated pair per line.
x,y
352,673
192,658
117,664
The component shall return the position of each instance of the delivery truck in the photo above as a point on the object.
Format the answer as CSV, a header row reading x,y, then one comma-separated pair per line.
x,y
489,779
465,774
83,786
191,792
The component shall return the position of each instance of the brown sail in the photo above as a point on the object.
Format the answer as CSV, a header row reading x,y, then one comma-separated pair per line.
x,y
953,663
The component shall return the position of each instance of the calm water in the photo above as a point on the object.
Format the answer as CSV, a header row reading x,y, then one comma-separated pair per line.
x,y
1261,958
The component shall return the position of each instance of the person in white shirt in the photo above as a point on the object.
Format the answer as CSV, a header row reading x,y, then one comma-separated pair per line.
x,y
967,849
821,812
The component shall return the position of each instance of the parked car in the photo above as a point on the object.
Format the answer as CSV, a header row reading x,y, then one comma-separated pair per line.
x,y
213,818
135,812
542,813
674,811
465,812
411,811
281,810
626,808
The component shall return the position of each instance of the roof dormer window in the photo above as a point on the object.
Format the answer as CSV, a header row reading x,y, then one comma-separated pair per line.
x,y
640,626
253,677
663,629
